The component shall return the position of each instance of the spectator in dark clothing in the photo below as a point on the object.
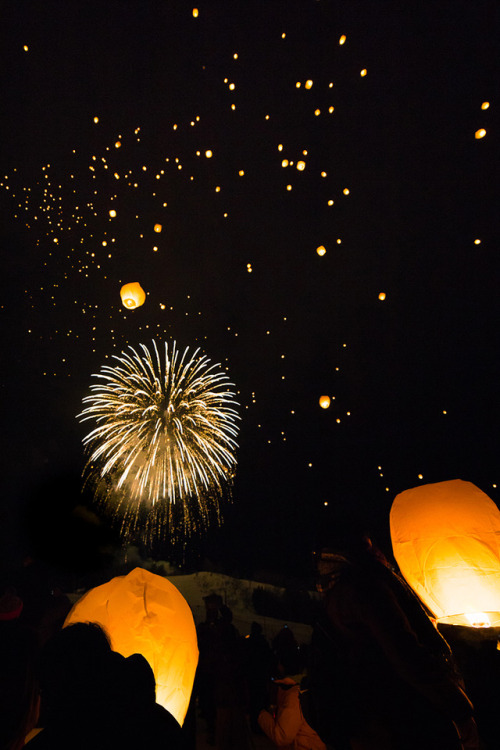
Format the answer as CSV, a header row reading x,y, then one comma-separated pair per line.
x,y
259,666
391,682
18,669
92,697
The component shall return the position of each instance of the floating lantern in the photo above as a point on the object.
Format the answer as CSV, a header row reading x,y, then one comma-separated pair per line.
x,y
446,541
363,72
382,296
301,165
112,213
144,613
480,133
133,295
485,105
324,402
308,84
321,250
158,227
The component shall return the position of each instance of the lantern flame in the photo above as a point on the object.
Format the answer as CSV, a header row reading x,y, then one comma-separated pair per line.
x,y
479,620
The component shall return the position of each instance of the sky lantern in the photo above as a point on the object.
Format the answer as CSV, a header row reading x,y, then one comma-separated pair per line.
x,y
158,227
324,402
133,295
480,133
446,541
144,613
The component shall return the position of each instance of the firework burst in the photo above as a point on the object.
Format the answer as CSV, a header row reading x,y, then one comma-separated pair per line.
x,y
162,453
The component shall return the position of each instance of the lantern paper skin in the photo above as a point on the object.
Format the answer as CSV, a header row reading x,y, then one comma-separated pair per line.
x,y
132,295
144,613
446,541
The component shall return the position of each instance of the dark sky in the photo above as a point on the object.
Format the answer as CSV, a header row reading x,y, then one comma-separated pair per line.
x,y
417,372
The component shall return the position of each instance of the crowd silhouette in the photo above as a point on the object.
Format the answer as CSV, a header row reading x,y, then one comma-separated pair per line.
x,y
376,675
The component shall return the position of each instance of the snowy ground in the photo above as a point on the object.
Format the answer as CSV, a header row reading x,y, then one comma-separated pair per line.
x,y
237,595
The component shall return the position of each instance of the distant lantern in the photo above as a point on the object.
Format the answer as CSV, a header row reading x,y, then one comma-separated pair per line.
x,y
112,213
132,295
321,250
324,402
382,296
118,144
96,120
485,105
308,84
208,154
446,541
195,12
301,165
363,72
158,227
342,39
144,613
480,133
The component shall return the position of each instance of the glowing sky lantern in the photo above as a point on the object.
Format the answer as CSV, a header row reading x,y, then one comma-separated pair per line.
x,y
158,227
321,250
446,541
324,402
342,39
480,133
382,296
112,213
485,105
132,295
144,613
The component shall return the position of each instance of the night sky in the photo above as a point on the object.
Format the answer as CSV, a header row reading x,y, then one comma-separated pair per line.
x,y
396,187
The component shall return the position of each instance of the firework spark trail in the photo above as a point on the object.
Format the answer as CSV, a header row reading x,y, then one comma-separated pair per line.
x,y
165,438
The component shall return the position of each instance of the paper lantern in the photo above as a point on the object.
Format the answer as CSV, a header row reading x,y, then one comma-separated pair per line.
x,y
144,613
324,402
446,541
158,227
133,295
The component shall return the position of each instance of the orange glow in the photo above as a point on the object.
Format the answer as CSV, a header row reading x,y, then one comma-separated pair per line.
x,y
144,613
342,39
446,541
363,72
158,227
382,296
485,105
324,402
321,250
132,295
480,133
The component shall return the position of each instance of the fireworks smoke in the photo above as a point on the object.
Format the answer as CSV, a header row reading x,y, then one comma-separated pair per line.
x,y
162,455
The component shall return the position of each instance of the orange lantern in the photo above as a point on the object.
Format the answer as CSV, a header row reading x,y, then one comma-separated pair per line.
x,y
144,613
324,402
133,295
446,541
